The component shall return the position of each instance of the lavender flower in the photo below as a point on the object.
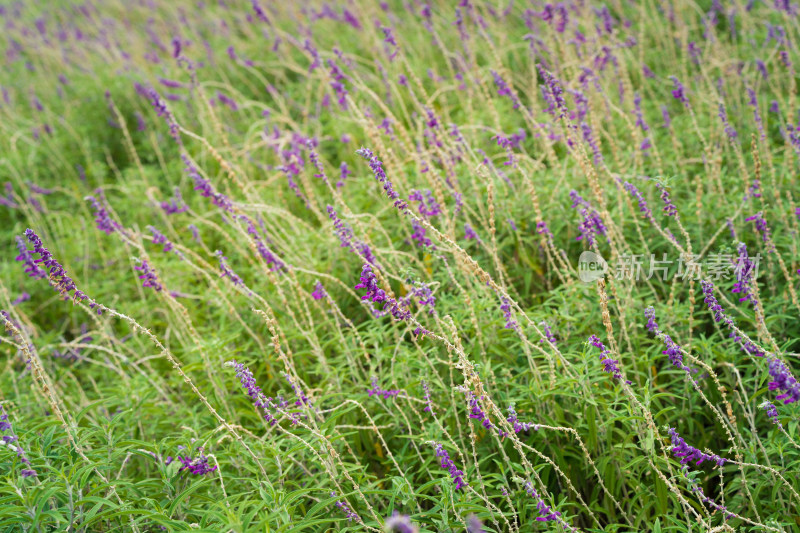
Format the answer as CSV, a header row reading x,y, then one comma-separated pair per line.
x,y
376,390
204,187
101,216
427,397
669,208
250,387
148,277
689,453
643,208
175,204
428,206
31,268
57,275
474,525
469,233
504,90
197,466
782,380
9,439
446,463
744,270
729,130
678,92
673,351
546,514
400,523
772,412
377,170
609,365
370,282
516,424
226,270
348,513
319,292
761,226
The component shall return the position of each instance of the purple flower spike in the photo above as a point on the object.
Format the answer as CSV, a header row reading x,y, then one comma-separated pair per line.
x,y
370,282
689,453
546,514
783,380
226,270
377,169
679,92
610,365
376,390
474,525
319,292
10,439
101,216
31,268
57,275
250,387
197,466
446,463
669,208
148,277
400,523
345,508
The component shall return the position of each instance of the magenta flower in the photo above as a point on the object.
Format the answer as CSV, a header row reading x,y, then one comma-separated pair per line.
x,y
31,268
610,365
319,292
783,380
10,439
252,390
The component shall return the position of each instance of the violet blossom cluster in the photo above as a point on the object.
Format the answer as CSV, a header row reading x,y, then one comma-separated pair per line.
x,y
427,397
516,424
428,206
197,466
57,275
591,223
784,381
319,292
476,413
504,90
226,271
345,508
673,351
148,276
204,187
10,439
175,204
643,207
689,453
31,268
248,383
744,271
101,215
546,514
446,463
377,170
376,390
610,365
348,240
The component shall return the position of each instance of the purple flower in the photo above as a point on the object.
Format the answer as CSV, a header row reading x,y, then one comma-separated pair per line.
x,y
469,233
446,463
319,292
419,235
250,387
57,275
377,170
370,282
31,268
609,365
761,226
678,91
474,525
400,523
101,216
643,208
226,270
345,508
427,397
160,238
516,424
673,351
148,277
428,206
376,390
712,302
197,466
689,453
504,90
204,187
729,130
772,412
337,83
783,380
546,514
175,204
11,438
744,270
669,208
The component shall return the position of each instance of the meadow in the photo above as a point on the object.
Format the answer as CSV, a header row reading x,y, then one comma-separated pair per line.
x,y
418,266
